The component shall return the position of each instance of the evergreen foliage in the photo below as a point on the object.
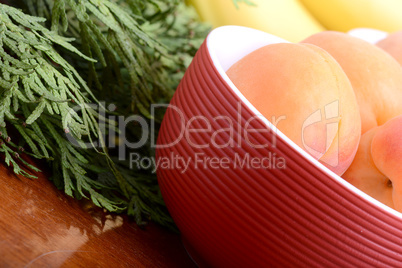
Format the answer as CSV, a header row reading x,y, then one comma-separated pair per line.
x,y
57,55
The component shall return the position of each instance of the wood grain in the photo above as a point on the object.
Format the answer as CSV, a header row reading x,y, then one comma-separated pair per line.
x,y
42,227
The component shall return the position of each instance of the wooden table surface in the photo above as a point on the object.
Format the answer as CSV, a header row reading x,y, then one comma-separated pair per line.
x,y
41,227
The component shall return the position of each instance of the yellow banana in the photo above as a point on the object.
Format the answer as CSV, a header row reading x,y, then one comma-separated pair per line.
x,y
288,19
344,15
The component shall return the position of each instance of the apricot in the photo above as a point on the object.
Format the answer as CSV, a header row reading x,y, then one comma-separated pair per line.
x,y
376,77
386,150
304,92
393,45
376,169
364,174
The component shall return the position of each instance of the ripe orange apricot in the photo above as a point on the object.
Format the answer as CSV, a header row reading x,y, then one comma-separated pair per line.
x,y
376,77
376,169
364,174
386,150
305,93
393,45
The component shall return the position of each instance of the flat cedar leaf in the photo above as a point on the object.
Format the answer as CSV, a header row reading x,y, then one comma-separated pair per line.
x,y
29,166
101,201
79,156
66,45
68,184
8,158
38,131
59,13
36,113
28,139
16,63
107,19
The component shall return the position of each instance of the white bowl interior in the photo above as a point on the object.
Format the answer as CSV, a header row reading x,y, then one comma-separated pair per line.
x,y
227,45
372,36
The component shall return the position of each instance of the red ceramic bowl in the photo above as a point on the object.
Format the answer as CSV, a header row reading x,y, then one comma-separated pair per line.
x,y
243,194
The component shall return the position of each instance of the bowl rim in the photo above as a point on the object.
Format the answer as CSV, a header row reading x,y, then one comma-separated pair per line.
x,y
228,44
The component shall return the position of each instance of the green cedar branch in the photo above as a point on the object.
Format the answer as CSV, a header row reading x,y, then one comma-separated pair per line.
x,y
37,87
142,49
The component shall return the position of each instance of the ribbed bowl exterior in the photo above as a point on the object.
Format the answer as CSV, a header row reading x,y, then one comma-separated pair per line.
x,y
297,216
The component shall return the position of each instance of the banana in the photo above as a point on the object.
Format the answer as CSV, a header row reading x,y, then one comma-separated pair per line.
x,y
287,19
344,15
